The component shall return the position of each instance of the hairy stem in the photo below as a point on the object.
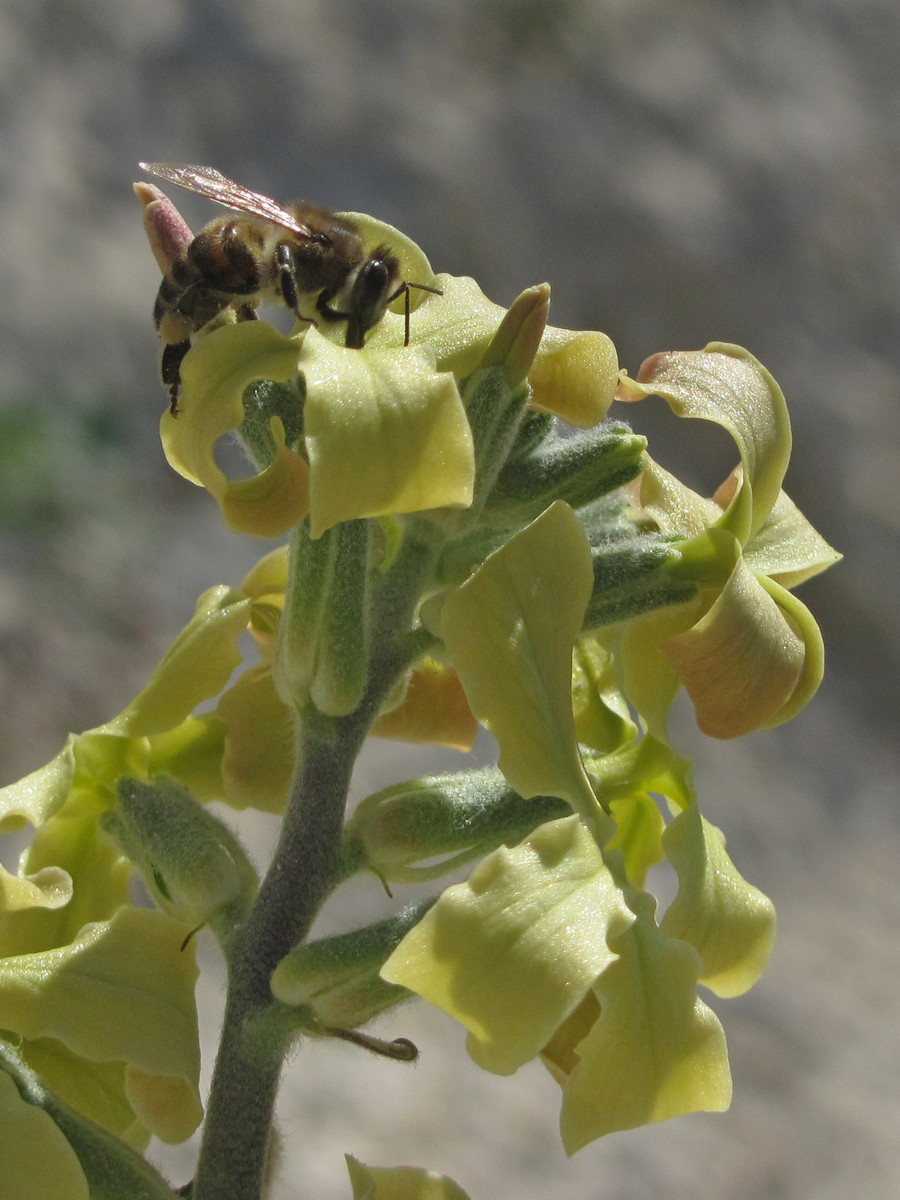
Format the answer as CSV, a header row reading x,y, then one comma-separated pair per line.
x,y
304,870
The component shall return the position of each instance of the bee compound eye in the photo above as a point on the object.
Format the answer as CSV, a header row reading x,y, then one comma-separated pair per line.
x,y
371,287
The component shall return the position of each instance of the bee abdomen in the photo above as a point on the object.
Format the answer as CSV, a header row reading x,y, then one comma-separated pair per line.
x,y
227,257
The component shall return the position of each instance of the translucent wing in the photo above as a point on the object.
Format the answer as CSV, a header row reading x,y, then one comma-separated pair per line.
x,y
211,183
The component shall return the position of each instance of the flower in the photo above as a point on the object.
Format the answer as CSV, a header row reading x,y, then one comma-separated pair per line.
x,y
748,652
384,429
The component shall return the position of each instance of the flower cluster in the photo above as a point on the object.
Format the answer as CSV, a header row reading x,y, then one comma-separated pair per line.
x,y
458,560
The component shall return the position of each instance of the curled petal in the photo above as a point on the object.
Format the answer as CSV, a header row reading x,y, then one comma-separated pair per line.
x,y
788,548
196,666
76,847
385,433
122,991
215,373
655,1051
39,795
434,709
510,629
400,1183
729,922
676,508
741,662
804,622
573,374
511,953
48,888
726,384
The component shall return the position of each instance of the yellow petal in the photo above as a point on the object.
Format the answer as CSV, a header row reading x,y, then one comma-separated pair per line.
x,y
196,666
400,1183
573,374
730,923
655,1051
49,888
385,433
726,384
788,548
510,629
215,373
40,794
511,953
434,709
36,1160
741,662
122,991
260,743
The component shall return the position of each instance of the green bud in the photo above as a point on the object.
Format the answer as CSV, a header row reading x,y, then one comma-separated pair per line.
x,y
575,469
459,817
322,649
193,865
632,575
534,429
338,978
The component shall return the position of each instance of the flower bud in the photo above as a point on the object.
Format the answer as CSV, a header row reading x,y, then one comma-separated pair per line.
x,y
577,470
339,979
458,817
192,864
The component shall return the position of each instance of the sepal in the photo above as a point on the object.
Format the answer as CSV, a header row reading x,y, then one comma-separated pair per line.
x,y
321,651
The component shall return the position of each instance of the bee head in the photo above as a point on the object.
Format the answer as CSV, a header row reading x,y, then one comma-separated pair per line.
x,y
373,290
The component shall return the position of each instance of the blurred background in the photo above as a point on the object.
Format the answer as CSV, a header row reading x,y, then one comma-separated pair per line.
x,y
681,171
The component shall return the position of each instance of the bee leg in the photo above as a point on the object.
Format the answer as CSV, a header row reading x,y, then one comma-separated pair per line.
x,y
287,282
246,312
172,358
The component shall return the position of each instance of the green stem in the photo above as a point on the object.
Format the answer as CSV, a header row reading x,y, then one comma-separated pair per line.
x,y
305,868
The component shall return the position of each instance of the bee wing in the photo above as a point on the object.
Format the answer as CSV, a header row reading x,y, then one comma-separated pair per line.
x,y
213,184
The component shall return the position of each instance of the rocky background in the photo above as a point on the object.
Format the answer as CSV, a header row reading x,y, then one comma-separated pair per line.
x,y
681,171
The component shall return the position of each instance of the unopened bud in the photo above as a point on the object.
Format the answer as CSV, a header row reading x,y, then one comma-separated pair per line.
x,y
451,817
338,978
193,865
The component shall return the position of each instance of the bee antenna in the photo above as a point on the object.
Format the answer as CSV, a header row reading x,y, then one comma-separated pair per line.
x,y
403,290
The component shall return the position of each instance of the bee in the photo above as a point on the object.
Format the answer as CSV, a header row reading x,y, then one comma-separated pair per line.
x,y
298,255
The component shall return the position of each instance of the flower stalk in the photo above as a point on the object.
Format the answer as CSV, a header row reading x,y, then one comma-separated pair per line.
x,y
456,559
